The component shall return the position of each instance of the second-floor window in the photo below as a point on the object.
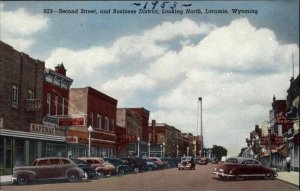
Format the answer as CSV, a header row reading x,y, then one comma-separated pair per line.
x,y
106,123
56,104
99,121
63,106
92,119
48,103
30,94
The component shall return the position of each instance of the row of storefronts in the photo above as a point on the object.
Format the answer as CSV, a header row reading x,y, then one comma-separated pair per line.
x,y
277,138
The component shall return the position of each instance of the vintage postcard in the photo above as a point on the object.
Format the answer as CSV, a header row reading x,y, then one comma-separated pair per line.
x,y
149,95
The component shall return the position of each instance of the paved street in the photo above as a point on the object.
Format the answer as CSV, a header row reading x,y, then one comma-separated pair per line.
x,y
163,180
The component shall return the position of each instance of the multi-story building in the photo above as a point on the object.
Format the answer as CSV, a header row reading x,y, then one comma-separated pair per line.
x,y
293,113
188,144
23,137
100,113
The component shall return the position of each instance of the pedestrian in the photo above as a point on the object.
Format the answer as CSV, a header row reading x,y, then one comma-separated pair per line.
x,y
288,163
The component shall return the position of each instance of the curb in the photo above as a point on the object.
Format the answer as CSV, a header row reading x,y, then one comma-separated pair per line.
x,y
290,183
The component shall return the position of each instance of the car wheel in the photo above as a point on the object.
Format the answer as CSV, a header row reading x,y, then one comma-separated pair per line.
x,y
109,174
269,176
73,177
121,171
239,178
85,176
22,179
136,170
100,174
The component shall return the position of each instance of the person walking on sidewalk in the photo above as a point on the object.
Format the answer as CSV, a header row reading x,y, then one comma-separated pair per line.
x,y
288,163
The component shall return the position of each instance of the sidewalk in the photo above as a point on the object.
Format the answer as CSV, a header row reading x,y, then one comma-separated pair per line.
x,y
289,177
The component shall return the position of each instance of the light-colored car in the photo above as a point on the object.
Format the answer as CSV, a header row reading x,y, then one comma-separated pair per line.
x,y
102,168
186,163
48,168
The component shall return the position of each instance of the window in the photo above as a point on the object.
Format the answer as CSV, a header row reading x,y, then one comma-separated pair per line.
x,y
14,96
56,104
99,121
65,161
30,94
48,103
54,161
92,119
113,124
63,106
106,123
43,162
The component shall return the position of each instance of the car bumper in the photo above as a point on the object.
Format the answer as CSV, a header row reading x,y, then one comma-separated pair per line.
x,y
223,175
13,179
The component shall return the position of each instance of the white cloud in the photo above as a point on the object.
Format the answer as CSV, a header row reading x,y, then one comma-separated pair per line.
x,y
234,68
17,27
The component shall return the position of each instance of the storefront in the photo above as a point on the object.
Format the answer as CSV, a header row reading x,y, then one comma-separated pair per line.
x,y
18,148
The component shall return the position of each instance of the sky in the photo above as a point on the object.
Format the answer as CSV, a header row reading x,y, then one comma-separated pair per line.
x,y
164,62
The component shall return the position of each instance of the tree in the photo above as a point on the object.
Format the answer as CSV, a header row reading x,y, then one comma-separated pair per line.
x,y
219,151
242,151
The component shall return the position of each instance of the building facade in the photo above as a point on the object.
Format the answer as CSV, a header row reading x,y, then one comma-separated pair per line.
x,y
100,113
23,137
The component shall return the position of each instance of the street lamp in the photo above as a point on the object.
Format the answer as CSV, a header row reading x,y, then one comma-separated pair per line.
x,y
149,149
161,151
187,151
138,146
90,130
177,151
269,141
164,149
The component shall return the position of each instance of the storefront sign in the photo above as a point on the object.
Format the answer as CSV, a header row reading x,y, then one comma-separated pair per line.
x,y
36,128
71,121
278,140
264,140
50,121
72,139
283,120
33,105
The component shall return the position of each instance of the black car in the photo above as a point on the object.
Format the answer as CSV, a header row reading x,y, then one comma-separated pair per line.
x,y
122,167
137,165
86,167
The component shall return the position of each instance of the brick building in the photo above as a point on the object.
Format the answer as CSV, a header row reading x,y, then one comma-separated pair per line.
x,y
23,137
100,113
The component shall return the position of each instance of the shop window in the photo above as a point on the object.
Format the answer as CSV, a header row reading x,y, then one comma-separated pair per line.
x,y
20,155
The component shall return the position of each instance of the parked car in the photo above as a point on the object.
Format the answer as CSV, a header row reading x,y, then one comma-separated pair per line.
x,y
151,165
89,171
121,167
170,162
203,161
241,168
48,168
214,161
158,162
135,164
102,168
186,163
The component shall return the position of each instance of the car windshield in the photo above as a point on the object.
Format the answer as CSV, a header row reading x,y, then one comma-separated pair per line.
x,y
232,160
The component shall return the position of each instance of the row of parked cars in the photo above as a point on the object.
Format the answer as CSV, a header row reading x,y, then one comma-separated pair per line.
x,y
83,168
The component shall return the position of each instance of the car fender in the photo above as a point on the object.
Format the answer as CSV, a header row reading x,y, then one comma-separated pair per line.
x,y
78,170
30,174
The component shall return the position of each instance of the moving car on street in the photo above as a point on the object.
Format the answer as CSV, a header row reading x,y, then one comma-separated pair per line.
x,y
241,168
186,163
48,168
